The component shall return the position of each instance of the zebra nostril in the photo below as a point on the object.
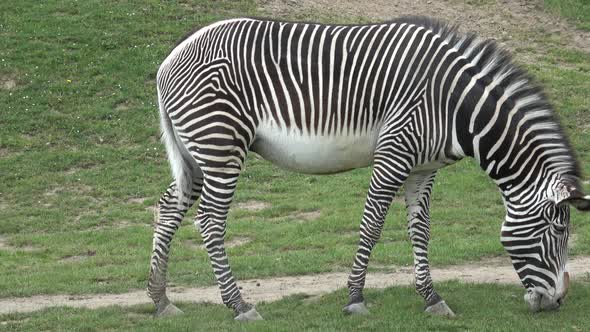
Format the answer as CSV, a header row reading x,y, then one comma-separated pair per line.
x,y
560,301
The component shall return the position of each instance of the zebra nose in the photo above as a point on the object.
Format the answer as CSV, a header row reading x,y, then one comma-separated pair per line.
x,y
560,301
566,283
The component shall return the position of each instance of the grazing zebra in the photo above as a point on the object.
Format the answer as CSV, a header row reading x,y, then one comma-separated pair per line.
x,y
407,97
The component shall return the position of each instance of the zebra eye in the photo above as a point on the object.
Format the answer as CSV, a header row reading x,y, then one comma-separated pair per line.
x,y
559,228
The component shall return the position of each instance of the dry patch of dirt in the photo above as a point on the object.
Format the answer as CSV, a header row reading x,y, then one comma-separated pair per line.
x,y
7,82
572,241
4,152
353,233
78,168
252,205
78,258
232,243
502,20
400,199
122,105
496,270
306,216
7,247
237,241
3,205
137,200
138,316
381,267
124,224
77,188
53,191
153,209
13,322
114,225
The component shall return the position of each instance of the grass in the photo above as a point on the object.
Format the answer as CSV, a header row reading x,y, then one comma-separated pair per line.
x,y
576,10
81,165
478,308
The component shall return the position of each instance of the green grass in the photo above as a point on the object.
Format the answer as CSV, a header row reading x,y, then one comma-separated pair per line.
x,y
81,164
478,308
576,10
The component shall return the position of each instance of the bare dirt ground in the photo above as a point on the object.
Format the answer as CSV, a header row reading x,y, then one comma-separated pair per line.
x,y
252,205
7,82
258,290
519,25
7,247
232,243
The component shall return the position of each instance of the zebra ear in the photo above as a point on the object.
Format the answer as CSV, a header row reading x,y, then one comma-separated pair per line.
x,y
570,192
581,203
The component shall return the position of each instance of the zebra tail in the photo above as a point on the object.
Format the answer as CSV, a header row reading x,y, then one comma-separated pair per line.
x,y
184,167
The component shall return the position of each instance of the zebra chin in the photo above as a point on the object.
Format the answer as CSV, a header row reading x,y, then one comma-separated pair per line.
x,y
540,299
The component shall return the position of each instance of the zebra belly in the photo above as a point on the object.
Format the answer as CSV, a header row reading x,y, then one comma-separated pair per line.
x,y
314,154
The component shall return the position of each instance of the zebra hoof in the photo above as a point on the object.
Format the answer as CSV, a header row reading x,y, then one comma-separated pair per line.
x,y
356,309
168,311
440,309
250,315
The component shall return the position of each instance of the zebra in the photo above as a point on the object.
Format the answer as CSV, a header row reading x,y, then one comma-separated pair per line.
x,y
406,97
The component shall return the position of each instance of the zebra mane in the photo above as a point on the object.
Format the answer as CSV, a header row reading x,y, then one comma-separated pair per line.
x,y
489,56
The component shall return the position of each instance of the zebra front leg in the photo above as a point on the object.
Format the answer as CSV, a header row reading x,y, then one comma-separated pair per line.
x,y
211,216
418,190
168,217
385,182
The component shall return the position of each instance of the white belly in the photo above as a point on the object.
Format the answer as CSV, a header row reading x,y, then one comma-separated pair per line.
x,y
314,154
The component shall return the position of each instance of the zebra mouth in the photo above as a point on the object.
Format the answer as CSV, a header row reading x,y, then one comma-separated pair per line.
x,y
538,301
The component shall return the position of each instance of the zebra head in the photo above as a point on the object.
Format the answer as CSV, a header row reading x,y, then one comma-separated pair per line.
x,y
535,234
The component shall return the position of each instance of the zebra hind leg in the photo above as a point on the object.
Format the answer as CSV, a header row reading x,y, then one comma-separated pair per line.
x,y
221,177
168,217
211,217
418,190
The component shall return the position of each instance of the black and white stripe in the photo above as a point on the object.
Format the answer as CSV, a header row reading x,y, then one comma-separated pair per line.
x,y
407,97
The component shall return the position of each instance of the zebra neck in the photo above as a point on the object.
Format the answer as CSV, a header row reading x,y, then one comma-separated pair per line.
x,y
511,131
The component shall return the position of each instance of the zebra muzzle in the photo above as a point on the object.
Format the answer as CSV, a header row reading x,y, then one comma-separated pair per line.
x,y
566,284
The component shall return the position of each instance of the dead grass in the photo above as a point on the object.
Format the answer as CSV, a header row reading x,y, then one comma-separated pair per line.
x,y
252,205
4,245
78,258
306,216
7,82
232,243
